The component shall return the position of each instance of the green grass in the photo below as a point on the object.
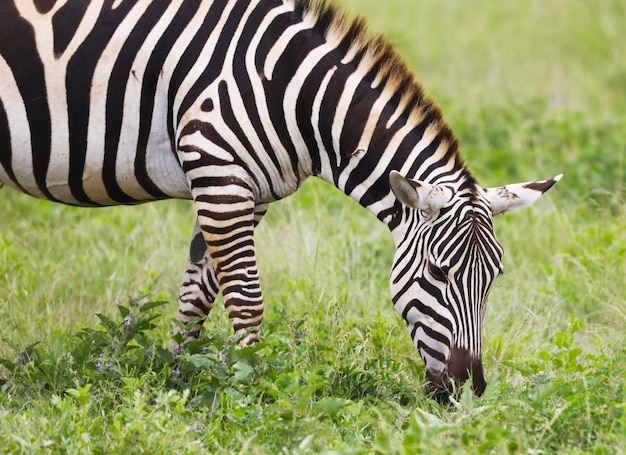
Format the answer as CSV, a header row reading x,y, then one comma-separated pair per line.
x,y
532,89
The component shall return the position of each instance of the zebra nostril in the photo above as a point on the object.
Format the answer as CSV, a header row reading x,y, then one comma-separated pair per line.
x,y
437,385
462,365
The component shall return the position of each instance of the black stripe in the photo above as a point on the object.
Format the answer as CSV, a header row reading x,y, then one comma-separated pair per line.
x,y
44,6
246,313
18,48
328,110
225,229
5,147
220,216
228,239
188,60
65,23
162,49
304,112
230,118
206,182
430,351
244,86
116,91
215,65
80,72
221,199
237,263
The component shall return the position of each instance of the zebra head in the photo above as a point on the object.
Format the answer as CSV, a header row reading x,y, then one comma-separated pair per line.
x,y
446,261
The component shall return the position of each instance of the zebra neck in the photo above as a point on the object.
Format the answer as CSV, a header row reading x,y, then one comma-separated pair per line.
x,y
356,109
374,132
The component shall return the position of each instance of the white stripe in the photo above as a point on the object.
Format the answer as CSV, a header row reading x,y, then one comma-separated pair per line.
x,y
293,91
366,138
343,104
160,160
390,152
238,105
290,181
326,168
201,64
21,145
92,175
279,47
55,71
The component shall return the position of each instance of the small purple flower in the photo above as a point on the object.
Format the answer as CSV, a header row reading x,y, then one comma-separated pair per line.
x,y
128,323
222,357
99,365
179,349
177,372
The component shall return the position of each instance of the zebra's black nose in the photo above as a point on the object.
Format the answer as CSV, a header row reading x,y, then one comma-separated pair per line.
x,y
438,385
461,366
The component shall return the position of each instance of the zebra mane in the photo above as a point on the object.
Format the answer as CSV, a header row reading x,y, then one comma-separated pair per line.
x,y
387,69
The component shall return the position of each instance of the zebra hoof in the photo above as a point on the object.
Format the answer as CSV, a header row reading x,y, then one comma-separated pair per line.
x,y
248,339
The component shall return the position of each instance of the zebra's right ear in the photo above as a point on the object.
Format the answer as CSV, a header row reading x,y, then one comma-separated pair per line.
x,y
417,194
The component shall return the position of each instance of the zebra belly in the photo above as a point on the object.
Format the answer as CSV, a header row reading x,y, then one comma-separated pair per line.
x,y
96,181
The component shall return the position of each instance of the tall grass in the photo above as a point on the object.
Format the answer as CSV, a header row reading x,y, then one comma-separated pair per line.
x,y
532,89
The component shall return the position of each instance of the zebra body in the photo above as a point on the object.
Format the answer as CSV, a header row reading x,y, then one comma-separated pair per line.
x,y
234,103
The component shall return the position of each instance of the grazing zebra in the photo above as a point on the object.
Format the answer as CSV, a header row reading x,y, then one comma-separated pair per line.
x,y
234,103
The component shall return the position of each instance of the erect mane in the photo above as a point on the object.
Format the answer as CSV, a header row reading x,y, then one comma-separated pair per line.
x,y
385,66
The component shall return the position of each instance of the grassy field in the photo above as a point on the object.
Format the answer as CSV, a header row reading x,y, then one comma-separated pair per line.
x,y
532,89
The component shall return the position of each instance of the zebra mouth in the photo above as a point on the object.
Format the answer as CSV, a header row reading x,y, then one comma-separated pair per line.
x,y
461,367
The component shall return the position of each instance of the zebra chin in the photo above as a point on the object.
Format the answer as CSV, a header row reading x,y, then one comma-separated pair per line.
x,y
461,367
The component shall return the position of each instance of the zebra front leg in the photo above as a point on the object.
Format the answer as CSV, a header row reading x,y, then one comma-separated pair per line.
x,y
227,223
200,285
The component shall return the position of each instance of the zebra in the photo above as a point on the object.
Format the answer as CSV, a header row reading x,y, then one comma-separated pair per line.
x,y
233,104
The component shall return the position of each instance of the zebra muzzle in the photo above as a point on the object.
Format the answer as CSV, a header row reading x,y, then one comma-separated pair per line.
x,y
461,367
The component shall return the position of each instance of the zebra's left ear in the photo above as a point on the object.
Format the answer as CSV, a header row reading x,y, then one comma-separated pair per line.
x,y
417,194
512,197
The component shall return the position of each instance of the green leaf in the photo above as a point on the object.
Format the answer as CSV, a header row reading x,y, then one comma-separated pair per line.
x,y
329,405
201,361
525,369
150,305
165,355
108,324
8,364
123,311
243,372
81,352
545,391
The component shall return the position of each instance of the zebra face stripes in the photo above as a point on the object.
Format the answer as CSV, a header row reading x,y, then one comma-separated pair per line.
x,y
234,103
447,258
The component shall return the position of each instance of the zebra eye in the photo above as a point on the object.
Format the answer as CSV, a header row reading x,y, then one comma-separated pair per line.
x,y
438,273
426,216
